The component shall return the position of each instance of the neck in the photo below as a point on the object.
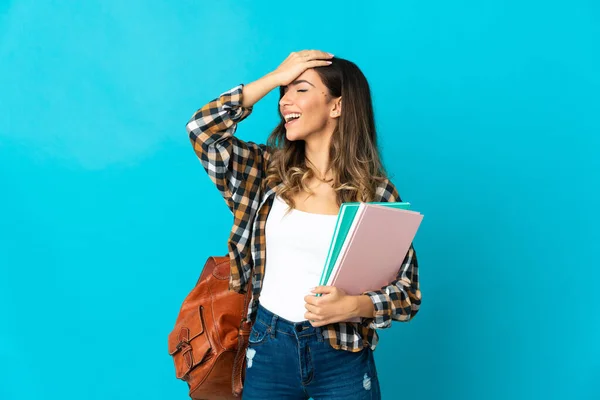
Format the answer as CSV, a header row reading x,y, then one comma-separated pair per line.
x,y
316,150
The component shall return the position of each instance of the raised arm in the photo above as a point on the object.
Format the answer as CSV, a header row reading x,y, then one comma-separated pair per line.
x,y
230,162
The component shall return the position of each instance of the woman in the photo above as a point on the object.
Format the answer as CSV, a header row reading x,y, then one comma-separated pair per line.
x,y
285,197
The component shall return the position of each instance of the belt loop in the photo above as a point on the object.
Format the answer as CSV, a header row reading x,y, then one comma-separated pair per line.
x,y
273,326
319,334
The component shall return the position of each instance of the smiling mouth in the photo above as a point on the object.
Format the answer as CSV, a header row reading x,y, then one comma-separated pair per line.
x,y
291,118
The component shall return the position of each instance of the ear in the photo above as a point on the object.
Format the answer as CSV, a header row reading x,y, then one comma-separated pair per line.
x,y
336,110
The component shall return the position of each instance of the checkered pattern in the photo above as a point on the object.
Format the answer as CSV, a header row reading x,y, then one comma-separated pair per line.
x,y
237,168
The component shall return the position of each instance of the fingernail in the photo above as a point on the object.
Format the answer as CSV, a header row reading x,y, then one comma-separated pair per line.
x,y
329,62
330,54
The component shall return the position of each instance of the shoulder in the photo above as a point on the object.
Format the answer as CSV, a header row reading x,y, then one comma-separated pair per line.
x,y
386,191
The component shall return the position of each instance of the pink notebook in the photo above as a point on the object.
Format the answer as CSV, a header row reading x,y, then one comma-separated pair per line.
x,y
374,250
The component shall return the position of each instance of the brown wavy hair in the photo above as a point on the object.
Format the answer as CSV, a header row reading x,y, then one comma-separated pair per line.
x,y
355,161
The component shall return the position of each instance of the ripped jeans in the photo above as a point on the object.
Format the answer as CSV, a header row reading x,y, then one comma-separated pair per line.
x,y
287,360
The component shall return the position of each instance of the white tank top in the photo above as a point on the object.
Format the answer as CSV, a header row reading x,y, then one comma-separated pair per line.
x,y
296,247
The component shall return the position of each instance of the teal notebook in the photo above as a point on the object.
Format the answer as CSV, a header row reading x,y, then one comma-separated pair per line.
x,y
344,222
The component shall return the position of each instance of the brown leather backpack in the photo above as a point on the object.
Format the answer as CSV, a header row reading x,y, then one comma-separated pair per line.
x,y
209,341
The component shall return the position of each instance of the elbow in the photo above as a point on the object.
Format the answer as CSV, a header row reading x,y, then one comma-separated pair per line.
x,y
192,128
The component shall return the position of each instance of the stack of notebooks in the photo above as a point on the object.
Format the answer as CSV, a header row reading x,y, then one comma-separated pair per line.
x,y
369,244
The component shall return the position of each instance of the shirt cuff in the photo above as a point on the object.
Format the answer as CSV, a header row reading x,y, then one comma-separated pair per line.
x,y
231,102
381,317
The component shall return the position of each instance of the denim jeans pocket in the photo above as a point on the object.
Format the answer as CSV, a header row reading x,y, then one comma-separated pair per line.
x,y
259,334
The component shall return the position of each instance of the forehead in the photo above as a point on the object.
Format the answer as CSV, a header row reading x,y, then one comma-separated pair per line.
x,y
311,76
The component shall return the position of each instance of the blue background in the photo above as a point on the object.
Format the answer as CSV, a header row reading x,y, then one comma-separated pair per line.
x,y
488,116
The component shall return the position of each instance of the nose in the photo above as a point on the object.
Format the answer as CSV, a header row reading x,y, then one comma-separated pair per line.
x,y
285,100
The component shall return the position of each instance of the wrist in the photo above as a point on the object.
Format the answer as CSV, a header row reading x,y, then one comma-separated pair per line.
x,y
273,79
258,89
363,306
354,306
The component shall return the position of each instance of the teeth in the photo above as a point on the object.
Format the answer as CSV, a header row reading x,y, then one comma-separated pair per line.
x,y
291,116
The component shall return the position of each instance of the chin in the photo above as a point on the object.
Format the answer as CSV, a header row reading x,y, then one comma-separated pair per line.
x,y
292,137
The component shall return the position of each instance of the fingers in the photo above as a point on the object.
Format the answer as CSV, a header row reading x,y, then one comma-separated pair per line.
x,y
298,62
312,309
315,319
323,289
309,55
313,300
317,63
318,55
313,314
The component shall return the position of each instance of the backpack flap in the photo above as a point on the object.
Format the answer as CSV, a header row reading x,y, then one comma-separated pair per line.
x,y
189,344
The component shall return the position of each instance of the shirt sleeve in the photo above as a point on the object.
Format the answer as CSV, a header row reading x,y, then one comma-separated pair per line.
x,y
401,299
230,162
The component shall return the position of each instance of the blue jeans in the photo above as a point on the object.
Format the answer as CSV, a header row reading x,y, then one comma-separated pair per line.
x,y
287,360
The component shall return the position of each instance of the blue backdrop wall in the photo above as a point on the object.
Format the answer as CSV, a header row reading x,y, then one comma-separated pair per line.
x,y
488,115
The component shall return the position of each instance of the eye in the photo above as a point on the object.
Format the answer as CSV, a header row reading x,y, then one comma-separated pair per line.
x,y
302,90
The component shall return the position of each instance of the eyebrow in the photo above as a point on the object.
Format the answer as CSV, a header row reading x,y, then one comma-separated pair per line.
x,y
299,82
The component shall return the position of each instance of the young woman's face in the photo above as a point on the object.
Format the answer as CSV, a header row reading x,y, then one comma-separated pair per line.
x,y
308,98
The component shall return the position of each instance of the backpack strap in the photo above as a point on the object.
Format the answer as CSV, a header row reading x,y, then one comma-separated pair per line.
x,y
240,357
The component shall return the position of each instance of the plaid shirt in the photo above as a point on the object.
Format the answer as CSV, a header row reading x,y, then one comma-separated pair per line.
x,y
238,169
